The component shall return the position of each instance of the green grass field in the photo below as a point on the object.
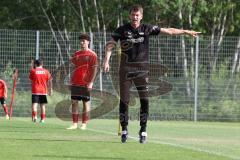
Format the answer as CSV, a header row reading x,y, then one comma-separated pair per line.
x,y
22,139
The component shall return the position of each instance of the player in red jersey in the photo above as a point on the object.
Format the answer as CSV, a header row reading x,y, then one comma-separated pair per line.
x,y
3,96
41,80
85,62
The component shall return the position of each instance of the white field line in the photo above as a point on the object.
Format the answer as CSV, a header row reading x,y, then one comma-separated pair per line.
x,y
162,142
171,144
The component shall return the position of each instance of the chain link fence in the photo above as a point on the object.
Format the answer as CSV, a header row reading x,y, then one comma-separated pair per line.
x,y
182,86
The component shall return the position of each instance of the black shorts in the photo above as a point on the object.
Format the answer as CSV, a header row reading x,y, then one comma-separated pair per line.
x,y
41,99
80,93
2,100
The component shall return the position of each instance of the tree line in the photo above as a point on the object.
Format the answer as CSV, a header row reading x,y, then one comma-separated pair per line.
x,y
211,17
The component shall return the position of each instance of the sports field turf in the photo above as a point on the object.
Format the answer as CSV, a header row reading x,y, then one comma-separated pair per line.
x,y
23,140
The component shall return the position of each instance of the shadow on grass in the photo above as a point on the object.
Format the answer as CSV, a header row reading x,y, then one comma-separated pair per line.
x,y
33,126
12,131
58,140
76,157
34,129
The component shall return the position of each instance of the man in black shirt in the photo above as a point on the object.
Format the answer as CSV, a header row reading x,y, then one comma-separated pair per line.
x,y
134,64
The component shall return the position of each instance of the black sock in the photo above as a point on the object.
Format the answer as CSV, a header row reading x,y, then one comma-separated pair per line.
x,y
143,129
124,128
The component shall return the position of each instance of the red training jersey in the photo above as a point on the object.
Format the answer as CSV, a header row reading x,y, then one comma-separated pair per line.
x,y
3,89
39,77
85,63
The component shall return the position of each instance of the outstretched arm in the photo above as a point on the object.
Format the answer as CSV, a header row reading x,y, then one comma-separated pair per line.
x,y
175,31
109,47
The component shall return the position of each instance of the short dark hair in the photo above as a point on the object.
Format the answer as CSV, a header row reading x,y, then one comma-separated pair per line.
x,y
136,8
38,62
84,36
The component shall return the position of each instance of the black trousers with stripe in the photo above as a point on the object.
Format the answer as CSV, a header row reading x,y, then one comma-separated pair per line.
x,y
127,80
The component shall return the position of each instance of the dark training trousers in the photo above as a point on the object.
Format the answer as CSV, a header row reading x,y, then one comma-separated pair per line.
x,y
140,80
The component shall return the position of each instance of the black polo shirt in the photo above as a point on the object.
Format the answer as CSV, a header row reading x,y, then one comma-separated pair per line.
x,y
135,43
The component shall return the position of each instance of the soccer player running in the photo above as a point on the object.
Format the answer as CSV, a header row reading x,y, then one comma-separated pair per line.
x,y
41,81
85,69
134,64
3,96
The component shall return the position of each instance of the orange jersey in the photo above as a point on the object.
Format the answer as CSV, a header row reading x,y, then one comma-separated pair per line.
x,y
3,89
85,63
39,77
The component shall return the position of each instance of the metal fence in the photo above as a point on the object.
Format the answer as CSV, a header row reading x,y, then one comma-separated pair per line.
x,y
190,79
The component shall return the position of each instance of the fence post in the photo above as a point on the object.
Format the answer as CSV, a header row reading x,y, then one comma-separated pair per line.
x,y
100,60
100,67
37,45
196,80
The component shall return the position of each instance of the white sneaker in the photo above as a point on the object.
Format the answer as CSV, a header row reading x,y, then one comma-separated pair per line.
x,y
83,126
7,117
74,126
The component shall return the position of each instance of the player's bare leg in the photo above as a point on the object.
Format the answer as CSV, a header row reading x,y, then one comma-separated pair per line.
x,y
75,115
85,114
5,108
34,112
43,113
